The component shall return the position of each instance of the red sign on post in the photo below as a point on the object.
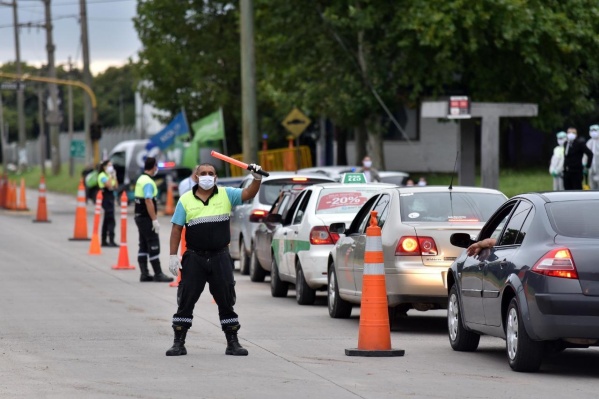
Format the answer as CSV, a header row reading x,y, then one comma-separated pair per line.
x,y
459,107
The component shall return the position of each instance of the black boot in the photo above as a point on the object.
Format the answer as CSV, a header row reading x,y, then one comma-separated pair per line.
x,y
158,275
145,274
111,242
178,348
233,346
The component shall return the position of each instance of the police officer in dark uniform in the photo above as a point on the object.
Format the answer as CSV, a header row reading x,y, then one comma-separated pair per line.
x,y
204,211
107,182
146,219
574,149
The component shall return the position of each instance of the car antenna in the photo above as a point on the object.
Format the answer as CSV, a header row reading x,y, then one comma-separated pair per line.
x,y
455,165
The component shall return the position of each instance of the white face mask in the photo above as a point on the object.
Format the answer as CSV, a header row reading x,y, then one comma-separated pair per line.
x,y
367,164
571,136
110,169
206,182
594,134
155,172
561,141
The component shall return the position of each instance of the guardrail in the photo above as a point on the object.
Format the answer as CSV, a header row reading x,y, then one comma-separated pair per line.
x,y
284,159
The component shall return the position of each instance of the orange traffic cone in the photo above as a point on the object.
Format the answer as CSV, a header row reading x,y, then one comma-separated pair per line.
x,y
182,249
80,230
123,261
42,209
3,191
374,338
22,205
94,247
12,196
169,208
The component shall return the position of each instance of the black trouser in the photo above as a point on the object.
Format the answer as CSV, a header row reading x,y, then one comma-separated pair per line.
x,y
149,245
573,180
108,223
216,269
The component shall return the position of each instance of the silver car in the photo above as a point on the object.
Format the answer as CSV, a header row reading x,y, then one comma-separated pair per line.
x,y
416,224
242,230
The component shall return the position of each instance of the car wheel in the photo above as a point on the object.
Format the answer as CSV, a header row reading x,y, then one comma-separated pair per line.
x,y
338,307
304,295
460,339
244,259
523,353
278,287
257,273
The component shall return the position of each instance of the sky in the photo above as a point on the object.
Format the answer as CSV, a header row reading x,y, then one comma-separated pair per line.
x,y
112,36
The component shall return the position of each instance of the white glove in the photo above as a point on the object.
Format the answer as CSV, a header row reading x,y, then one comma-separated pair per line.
x,y
155,226
174,265
256,168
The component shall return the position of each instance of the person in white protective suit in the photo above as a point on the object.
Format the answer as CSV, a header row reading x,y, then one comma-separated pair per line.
x,y
556,166
593,145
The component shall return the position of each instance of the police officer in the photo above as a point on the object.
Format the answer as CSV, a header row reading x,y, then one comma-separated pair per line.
x,y
574,149
107,183
146,219
204,211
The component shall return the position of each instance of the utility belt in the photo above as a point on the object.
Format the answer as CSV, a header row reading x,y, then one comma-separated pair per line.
x,y
208,254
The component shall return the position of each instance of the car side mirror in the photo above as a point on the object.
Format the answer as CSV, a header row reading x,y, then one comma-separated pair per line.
x,y
273,218
461,240
338,228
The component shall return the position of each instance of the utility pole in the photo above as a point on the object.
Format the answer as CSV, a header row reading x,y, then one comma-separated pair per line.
x,y
71,159
53,118
22,152
3,141
87,79
250,137
41,122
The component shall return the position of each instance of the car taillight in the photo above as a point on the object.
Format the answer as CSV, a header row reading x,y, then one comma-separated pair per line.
x,y
257,215
557,263
259,212
413,245
319,235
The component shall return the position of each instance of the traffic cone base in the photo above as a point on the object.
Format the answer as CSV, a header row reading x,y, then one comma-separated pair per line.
x,y
94,245
42,209
123,261
80,230
374,339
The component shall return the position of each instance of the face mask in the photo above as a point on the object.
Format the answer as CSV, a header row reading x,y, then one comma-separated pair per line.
x,y
561,141
594,134
155,172
421,183
206,182
110,169
571,136
367,164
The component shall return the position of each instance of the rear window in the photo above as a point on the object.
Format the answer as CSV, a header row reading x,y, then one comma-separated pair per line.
x,y
270,189
578,219
343,199
446,207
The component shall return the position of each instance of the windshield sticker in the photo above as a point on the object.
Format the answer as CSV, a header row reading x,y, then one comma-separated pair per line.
x,y
413,215
337,200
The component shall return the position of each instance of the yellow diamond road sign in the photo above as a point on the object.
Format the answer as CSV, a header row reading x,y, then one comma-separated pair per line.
x,y
296,122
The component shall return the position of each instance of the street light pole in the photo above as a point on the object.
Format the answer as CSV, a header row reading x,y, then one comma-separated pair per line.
x,y
249,133
22,153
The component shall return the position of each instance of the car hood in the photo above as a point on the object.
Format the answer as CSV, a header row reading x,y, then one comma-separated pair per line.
x,y
441,232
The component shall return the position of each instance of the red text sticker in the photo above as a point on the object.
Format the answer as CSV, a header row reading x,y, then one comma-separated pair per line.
x,y
336,200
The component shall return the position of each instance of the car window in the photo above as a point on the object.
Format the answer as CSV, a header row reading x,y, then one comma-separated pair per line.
x,y
363,213
578,219
301,209
289,217
495,225
382,209
448,206
270,189
343,200
512,235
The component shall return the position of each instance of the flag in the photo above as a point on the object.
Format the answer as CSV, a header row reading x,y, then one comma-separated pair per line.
x,y
209,128
166,137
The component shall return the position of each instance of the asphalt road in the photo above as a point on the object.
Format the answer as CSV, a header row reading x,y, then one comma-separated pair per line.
x,y
72,327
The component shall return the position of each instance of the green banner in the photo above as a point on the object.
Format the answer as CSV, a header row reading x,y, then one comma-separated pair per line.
x,y
209,128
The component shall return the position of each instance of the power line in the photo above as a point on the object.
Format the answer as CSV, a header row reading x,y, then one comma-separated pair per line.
x,y
40,23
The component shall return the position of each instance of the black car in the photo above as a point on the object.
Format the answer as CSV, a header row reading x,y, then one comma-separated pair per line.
x,y
538,287
261,259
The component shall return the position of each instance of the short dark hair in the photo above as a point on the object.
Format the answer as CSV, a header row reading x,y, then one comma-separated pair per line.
x,y
208,164
102,165
149,163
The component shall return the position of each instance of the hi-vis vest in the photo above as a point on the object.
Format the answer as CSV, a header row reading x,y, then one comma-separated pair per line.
x,y
103,175
207,226
140,200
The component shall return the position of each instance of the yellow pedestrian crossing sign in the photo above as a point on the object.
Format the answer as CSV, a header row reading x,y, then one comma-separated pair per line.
x,y
296,122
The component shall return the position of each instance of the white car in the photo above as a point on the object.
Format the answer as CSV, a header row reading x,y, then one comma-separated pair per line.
x,y
242,230
302,244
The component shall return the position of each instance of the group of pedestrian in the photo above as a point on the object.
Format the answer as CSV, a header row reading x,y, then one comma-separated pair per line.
x,y
575,159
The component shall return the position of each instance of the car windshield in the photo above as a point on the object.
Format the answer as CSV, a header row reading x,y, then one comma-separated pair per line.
x,y
448,207
270,189
574,218
343,199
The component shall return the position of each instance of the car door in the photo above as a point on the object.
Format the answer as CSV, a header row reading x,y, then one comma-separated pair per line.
x,y
381,206
500,266
279,238
345,250
263,233
293,235
238,213
472,270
